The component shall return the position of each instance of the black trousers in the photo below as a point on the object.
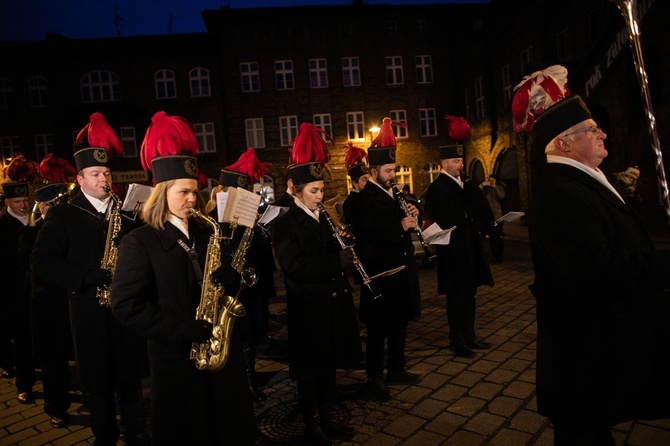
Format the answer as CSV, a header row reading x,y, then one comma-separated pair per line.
x,y
461,316
379,331
56,382
315,395
592,435
23,354
102,406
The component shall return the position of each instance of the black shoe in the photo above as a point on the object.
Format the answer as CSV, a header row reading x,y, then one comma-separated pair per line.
x,y
141,439
314,436
378,390
335,429
257,394
462,351
478,345
25,397
60,422
402,377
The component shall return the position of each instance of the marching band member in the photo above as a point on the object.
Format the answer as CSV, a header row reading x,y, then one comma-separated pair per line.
x,y
68,253
157,288
253,327
384,232
322,327
359,173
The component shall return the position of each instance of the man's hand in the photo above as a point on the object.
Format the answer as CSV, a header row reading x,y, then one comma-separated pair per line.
x,y
412,209
98,277
408,223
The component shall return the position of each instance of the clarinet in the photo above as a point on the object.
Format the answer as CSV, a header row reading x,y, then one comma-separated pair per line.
x,y
403,205
359,267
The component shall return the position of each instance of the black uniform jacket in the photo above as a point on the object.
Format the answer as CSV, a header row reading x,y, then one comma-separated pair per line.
x,y
15,302
377,227
69,245
602,339
461,265
322,327
155,293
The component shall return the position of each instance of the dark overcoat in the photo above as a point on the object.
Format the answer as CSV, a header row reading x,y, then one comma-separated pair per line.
x,y
461,265
385,246
601,345
15,302
70,244
52,335
322,328
155,293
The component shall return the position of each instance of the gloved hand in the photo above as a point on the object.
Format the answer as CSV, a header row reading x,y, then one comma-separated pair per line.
x,y
346,257
98,277
227,277
198,331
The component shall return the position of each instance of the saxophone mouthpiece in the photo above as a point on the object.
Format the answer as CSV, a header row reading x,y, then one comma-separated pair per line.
x,y
107,189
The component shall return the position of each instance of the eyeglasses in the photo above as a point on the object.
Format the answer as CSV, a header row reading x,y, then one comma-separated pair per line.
x,y
590,129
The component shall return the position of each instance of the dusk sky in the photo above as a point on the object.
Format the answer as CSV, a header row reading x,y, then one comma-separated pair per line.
x,y
32,19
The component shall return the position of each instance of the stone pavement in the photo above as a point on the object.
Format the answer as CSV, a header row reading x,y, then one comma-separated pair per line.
x,y
487,400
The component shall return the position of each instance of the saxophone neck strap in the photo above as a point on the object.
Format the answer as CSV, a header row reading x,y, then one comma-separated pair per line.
x,y
194,260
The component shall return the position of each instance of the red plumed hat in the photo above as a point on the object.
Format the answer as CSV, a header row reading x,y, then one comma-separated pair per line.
x,y
459,129
386,136
249,165
53,169
97,133
167,135
354,155
537,92
309,145
21,169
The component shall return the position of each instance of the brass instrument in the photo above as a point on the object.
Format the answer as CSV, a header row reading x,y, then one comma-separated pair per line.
x,y
429,256
248,276
214,307
628,9
367,280
111,250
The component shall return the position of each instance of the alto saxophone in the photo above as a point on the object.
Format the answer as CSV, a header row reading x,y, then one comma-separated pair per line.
x,y
221,311
111,250
248,276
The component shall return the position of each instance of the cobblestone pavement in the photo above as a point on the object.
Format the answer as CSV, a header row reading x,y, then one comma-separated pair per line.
x,y
487,400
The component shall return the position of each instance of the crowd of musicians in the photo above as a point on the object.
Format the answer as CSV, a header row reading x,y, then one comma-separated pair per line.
x,y
169,292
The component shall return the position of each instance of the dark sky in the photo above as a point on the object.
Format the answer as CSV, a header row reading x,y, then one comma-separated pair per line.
x,y
32,19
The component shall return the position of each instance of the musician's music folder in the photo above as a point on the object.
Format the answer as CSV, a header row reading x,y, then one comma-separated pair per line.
x,y
510,216
136,197
237,204
434,235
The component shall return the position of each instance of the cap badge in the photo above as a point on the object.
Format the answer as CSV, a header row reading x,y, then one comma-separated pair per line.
x,y
190,167
315,170
101,156
392,153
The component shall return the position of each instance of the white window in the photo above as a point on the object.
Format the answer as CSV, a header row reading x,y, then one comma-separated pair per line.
x,y
9,145
204,133
166,84
288,128
255,132
100,86
427,122
391,28
351,72
250,77
424,69
479,98
394,70
128,141
39,95
199,79
6,94
284,74
355,126
318,73
506,86
431,171
403,176
324,122
525,59
562,48
399,117
43,145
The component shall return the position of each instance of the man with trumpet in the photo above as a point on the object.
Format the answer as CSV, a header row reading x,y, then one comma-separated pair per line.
x,y
384,232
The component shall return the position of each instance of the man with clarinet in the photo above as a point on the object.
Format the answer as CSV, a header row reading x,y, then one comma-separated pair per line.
x,y
384,232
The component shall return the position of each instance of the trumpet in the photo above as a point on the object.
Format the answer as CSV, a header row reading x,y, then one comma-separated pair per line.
x,y
403,205
343,244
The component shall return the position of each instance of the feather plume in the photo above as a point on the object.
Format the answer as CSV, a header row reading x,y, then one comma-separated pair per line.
x,y
459,129
21,169
249,164
53,169
202,179
167,135
537,92
310,146
354,155
99,134
385,137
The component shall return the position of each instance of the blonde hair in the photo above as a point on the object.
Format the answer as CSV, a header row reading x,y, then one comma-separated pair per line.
x,y
156,212
211,204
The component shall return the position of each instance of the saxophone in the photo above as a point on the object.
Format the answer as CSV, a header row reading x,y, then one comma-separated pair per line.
x,y
111,250
248,276
215,308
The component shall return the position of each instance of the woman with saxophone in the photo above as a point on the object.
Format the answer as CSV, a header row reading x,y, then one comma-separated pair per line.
x,y
161,271
322,328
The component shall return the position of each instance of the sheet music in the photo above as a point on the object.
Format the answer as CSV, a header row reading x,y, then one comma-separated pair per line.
x,y
434,235
510,216
272,212
136,197
221,200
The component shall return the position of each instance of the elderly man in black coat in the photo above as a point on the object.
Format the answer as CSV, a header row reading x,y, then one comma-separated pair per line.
x,y
453,200
599,284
